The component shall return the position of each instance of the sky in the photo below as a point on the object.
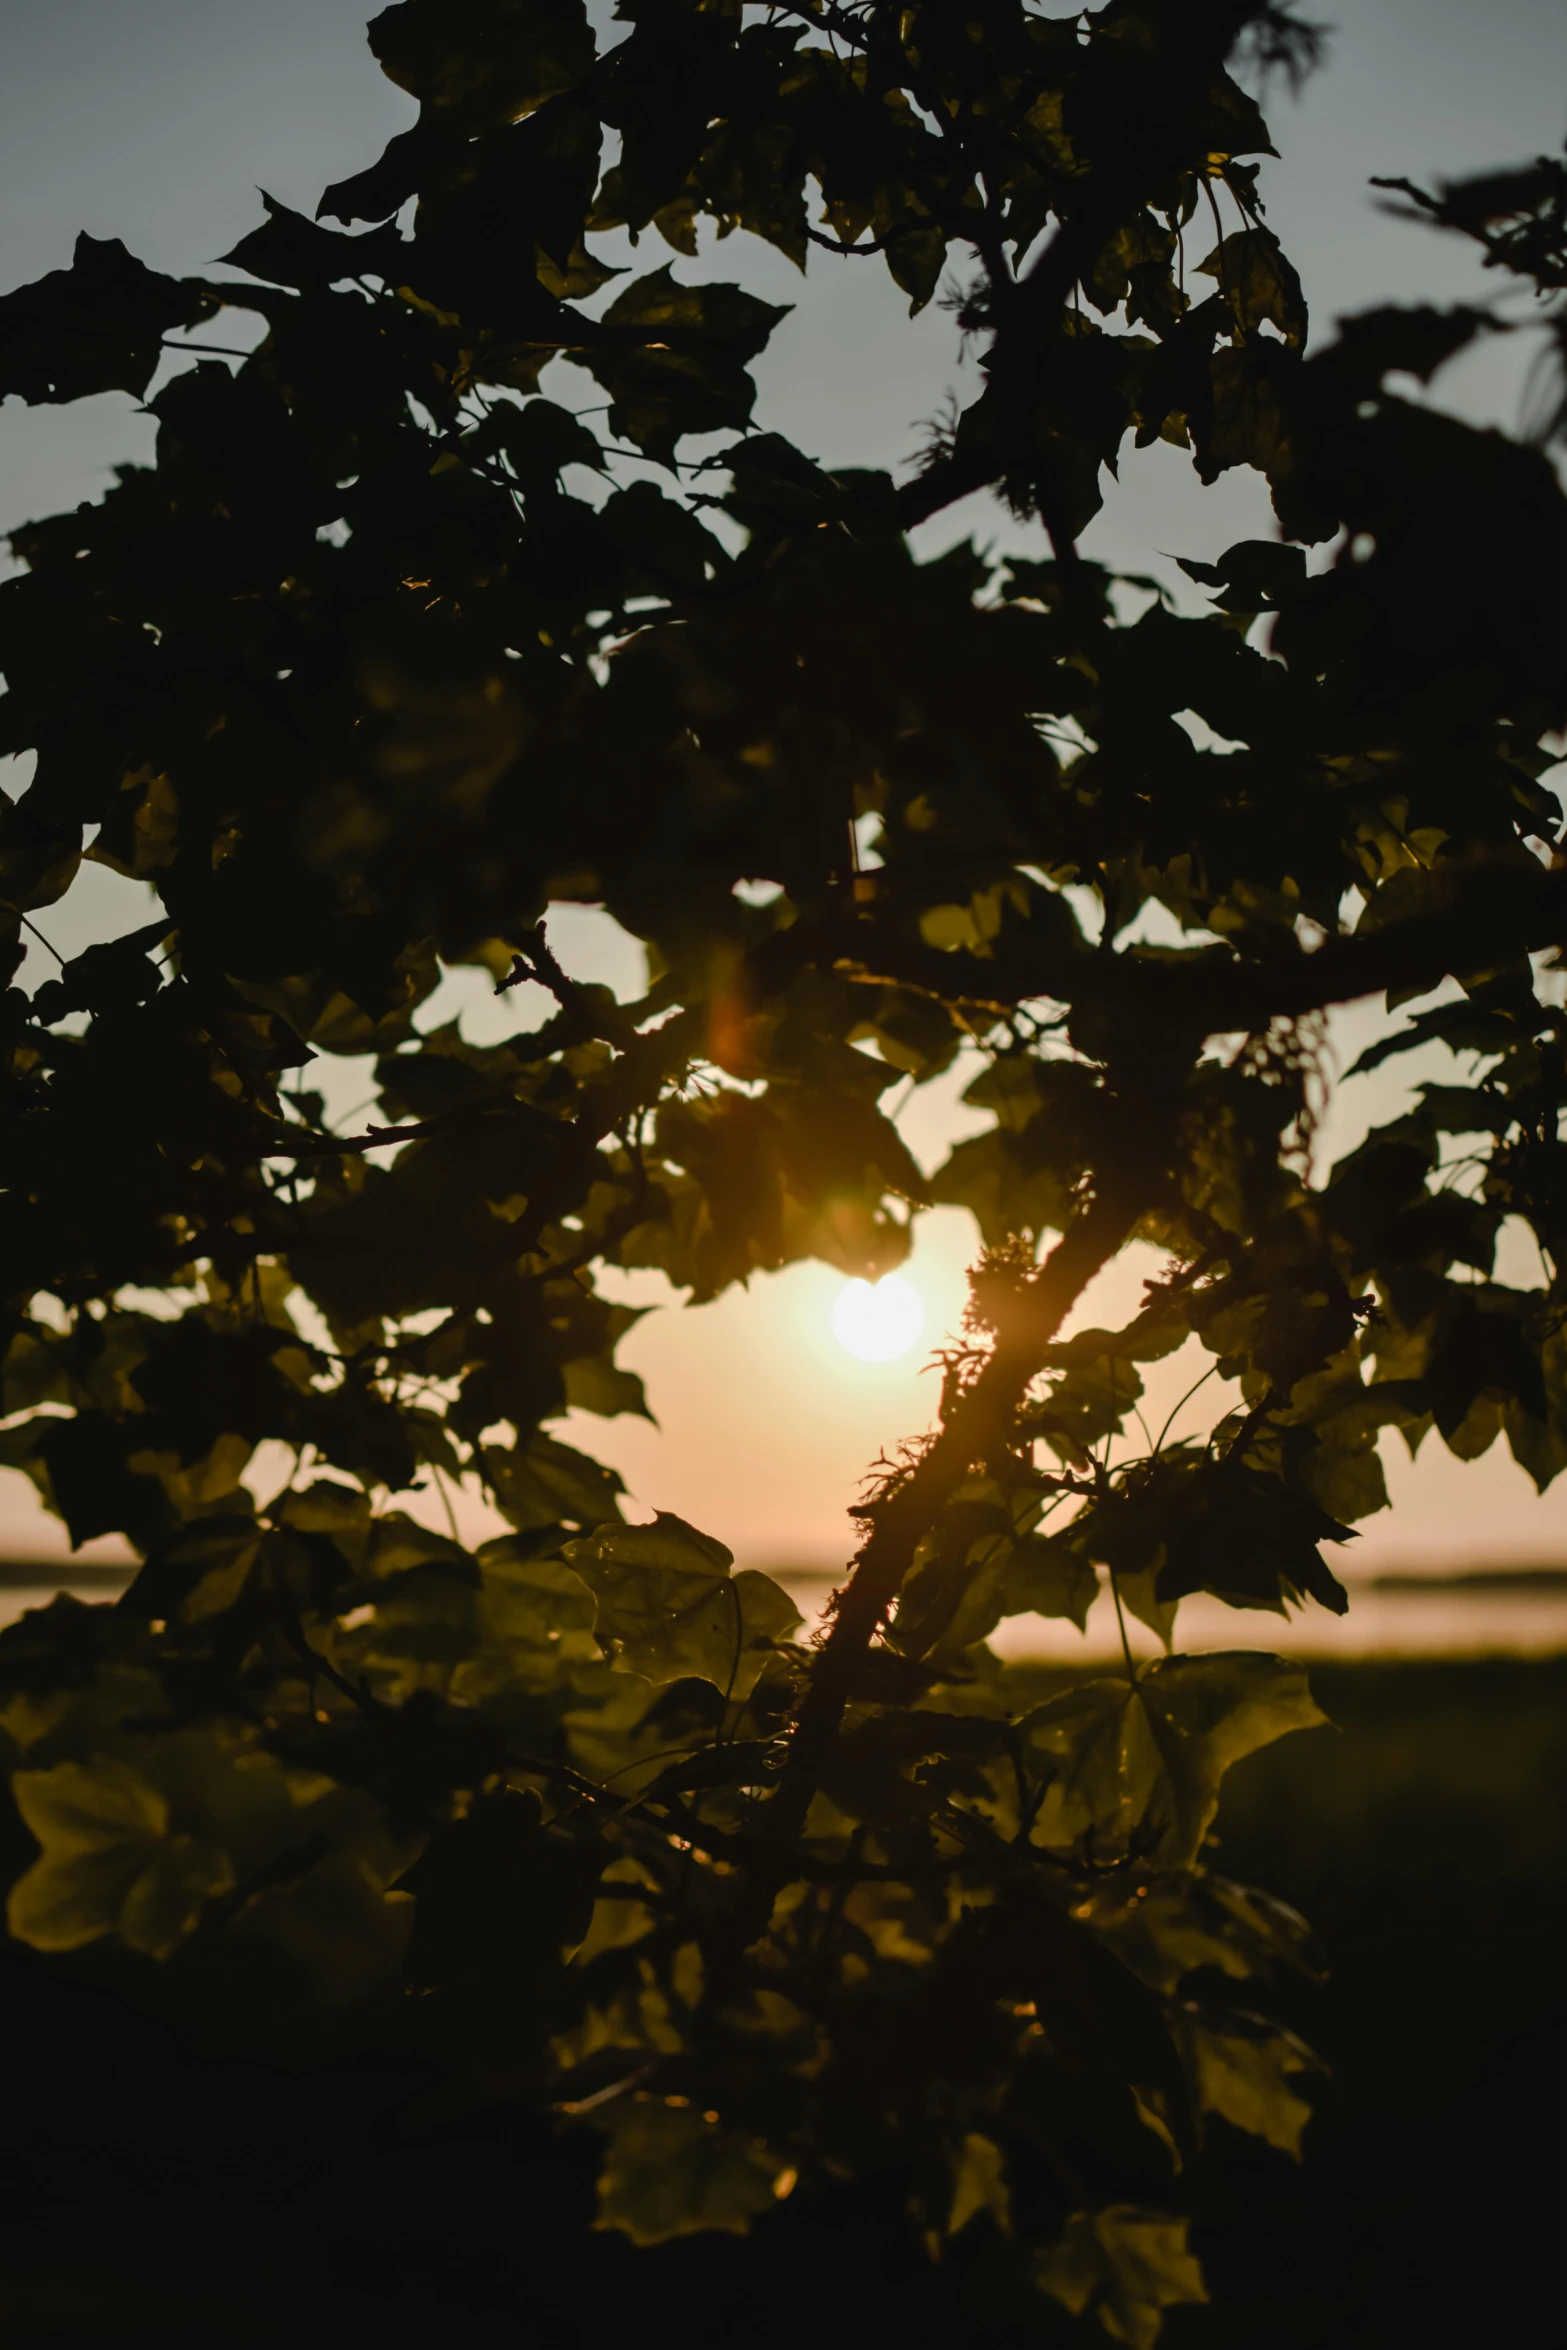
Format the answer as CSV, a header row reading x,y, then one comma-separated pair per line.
x,y
157,120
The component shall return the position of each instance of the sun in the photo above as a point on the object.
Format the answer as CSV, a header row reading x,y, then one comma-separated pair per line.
x,y
878,1323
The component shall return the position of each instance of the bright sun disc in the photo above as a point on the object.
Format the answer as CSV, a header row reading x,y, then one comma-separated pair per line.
x,y
878,1324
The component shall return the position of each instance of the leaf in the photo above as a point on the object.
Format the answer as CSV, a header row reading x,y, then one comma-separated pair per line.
x,y
1128,2265
1148,1757
202,1572
667,1543
289,250
548,1484
668,1606
669,2171
539,440
119,971
1138,1591
34,1373
110,1863
340,1514
1210,1712
1109,1765
1247,421
1006,1188
398,1543
381,190
95,1484
1088,1403
1240,2065
740,1762
595,1384
1173,1926
1255,575
875,1773
531,1636
972,1570
979,2183
475,63
1047,1575
1257,282
1414,339
1251,1539
673,359
95,327
663,540
526,188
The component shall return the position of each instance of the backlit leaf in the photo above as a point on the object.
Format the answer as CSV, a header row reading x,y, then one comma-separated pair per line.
x,y
1148,1757
1241,2067
670,2171
979,2184
668,1605
1128,2266
110,1864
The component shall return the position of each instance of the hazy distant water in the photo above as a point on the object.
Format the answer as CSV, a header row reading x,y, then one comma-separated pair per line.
x,y
1517,1614
1513,1615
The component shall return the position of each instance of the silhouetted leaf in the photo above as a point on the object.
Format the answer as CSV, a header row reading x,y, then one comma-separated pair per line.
x,y
475,64
95,327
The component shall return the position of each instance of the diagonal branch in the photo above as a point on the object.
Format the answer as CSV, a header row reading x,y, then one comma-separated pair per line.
x,y
978,1425
1494,915
291,1143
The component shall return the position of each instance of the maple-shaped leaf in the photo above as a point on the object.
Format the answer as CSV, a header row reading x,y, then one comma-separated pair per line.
x,y
1147,1757
95,327
673,358
671,2171
1128,2265
1241,2066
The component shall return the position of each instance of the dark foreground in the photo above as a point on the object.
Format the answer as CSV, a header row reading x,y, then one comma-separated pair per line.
x,y
151,2196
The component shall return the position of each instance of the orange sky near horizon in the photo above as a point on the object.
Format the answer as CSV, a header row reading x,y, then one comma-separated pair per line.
x,y
767,1427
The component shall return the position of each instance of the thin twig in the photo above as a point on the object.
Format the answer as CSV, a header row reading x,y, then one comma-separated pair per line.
x,y
38,934
1181,1406
1120,1617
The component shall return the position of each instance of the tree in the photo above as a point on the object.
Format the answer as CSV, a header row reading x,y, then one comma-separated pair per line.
x,y
387,652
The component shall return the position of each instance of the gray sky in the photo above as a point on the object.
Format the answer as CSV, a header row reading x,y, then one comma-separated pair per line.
x,y
156,120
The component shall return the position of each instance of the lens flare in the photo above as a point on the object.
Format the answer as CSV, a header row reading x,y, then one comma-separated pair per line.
x,y
878,1323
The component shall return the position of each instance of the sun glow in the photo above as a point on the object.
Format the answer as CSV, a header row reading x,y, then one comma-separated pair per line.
x,y
878,1323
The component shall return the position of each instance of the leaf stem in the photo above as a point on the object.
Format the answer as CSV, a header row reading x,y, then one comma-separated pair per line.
x,y
1120,1617
38,934
1181,1406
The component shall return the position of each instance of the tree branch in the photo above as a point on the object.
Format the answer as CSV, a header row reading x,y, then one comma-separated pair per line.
x,y
977,1426
537,961
1494,915
836,244
288,1145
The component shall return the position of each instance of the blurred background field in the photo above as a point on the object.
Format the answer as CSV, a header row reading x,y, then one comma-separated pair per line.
x,y
1426,1839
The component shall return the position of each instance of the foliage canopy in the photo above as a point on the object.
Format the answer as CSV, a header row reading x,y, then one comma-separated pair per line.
x,y
390,649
